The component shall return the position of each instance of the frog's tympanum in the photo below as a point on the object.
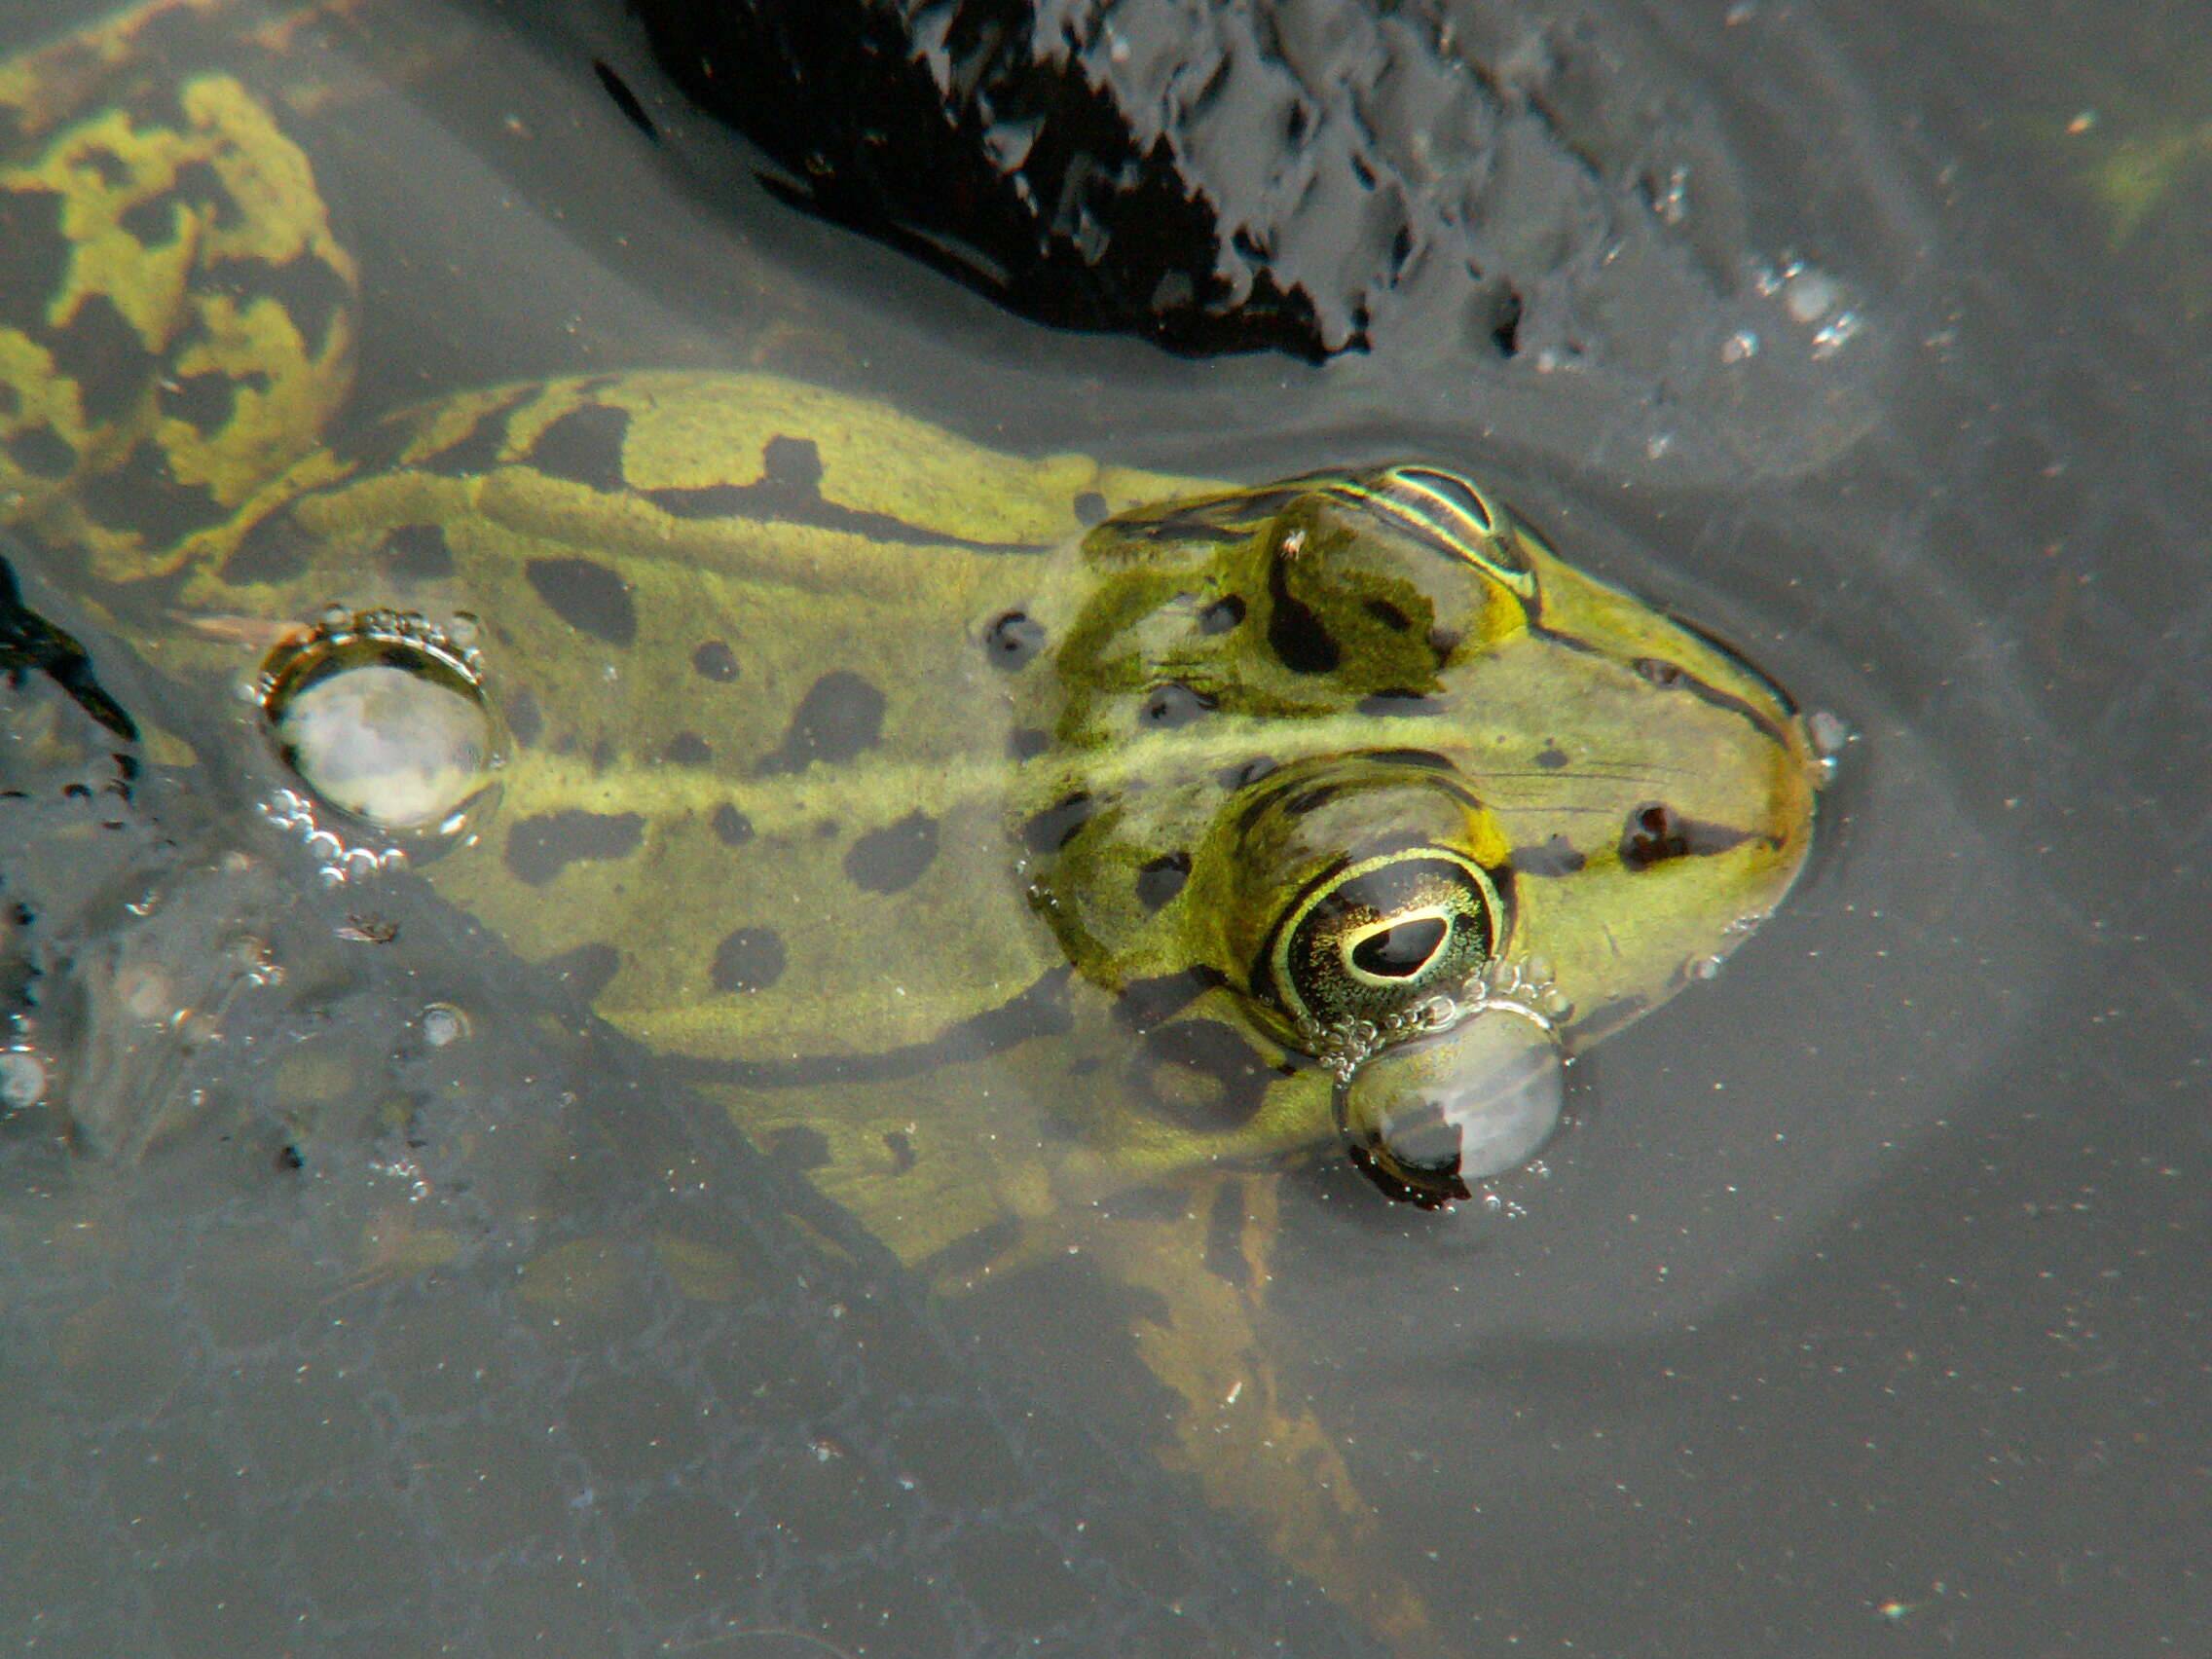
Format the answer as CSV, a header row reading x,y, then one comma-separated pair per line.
x,y
1000,838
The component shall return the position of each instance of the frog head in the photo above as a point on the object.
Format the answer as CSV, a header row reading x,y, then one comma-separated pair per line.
x,y
1357,765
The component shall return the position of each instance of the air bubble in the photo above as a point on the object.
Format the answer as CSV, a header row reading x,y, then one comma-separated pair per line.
x,y
384,717
1427,1118
1831,735
22,1079
444,1025
1809,295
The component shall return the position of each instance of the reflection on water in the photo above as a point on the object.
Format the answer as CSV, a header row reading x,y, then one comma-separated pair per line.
x,y
1863,1303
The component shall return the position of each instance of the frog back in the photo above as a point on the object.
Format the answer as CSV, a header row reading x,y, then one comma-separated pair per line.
x,y
735,636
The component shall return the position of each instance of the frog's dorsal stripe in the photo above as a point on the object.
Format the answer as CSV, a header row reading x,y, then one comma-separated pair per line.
x,y
1041,1010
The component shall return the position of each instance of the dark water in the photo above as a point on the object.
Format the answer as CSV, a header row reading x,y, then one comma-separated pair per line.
x,y
1865,1313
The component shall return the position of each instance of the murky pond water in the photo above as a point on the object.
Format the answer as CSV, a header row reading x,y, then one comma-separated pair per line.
x,y
397,1305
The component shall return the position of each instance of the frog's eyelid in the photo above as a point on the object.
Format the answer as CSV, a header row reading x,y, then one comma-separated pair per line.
x,y
1448,512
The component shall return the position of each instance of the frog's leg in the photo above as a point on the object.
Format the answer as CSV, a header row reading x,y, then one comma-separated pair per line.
x,y
176,313
1254,1448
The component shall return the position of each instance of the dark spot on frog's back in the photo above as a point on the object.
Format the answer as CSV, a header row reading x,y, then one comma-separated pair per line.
x,y
1089,507
476,450
587,596
688,749
1055,827
272,549
1296,633
41,453
1161,878
104,355
1549,758
732,828
34,255
310,292
748,959
839,719
539,849
204,402
143,496
152,221
1656,834
891,858
714,660
584,446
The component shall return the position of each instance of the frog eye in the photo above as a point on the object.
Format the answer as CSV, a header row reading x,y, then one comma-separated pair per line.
x,y
1450,513
1424,1119
1376,940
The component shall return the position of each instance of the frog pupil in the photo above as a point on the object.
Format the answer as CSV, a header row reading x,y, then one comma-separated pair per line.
x,y
1401,952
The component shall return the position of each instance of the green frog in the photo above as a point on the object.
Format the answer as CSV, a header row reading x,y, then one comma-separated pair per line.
x,y
1041,853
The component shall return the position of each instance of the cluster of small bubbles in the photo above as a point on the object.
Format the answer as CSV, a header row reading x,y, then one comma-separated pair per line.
x,y
1811,299
1523,988
443,1025
337,861
254,959
1833,335
1671,201
23,1077
404,1167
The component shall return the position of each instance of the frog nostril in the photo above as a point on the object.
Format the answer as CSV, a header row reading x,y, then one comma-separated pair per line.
x,y
1013,639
